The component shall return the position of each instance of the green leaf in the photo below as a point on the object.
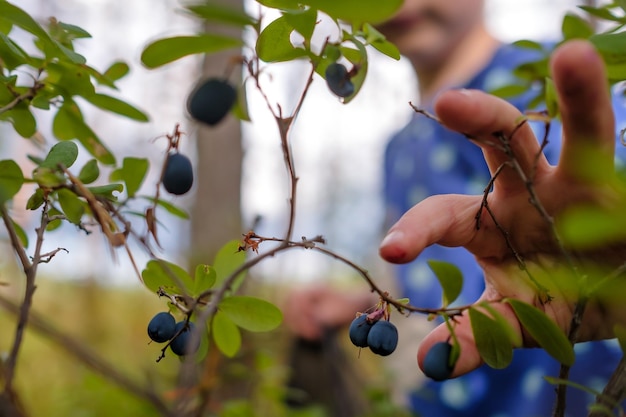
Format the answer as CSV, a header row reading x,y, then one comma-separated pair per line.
x,y
357,57
281,4
12,55
274,44
117,106
358,11
514,337
574,26
251,313
552,102
160,273
620,334
11,179
492,341
71,205
583,227
116,71
36,200
226,334
302,21
545,332
528,44
71,79
18,17
69,124
133,172
602,13
21,234
89,172
167,50
379,42
204,279
227,260
508,91
107,191
450,278
62,153
240,109
170,208
612,46
22,120
221,14
54,224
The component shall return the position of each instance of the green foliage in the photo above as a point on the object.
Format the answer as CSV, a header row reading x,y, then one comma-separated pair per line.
x,y
492,340
450,278
132,172
11,179
274,40
545,332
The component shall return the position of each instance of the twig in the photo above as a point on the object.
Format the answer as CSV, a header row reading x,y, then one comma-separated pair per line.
x,y
614,391
30,270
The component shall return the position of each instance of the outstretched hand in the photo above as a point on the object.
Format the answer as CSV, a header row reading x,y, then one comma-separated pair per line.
x,y
522,232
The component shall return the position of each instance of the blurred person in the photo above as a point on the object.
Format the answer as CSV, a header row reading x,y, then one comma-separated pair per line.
x,y
449,46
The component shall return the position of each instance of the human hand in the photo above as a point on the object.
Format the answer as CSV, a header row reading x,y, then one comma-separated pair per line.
x,y
311,311
588,124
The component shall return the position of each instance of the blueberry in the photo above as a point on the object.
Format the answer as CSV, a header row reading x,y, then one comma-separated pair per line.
x,y
383,338
338,80
161,327
178,175
436,364
180,345
359,329
211,101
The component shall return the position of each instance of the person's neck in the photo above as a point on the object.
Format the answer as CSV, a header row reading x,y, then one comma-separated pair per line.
x,y
466,60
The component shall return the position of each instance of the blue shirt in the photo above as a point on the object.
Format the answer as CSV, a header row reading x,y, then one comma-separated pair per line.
x,y
425,159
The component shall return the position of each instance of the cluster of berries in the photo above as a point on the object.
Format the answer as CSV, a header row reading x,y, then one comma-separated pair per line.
x,y
373,331
164,328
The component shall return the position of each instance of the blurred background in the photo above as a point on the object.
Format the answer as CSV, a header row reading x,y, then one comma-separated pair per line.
x,y
241,183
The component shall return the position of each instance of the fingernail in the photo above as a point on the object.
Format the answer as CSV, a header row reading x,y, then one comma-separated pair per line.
x,y
392,238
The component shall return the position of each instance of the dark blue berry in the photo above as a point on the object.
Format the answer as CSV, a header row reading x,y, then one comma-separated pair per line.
x,y
161,327
359,329
211,101
383,338
436,364
180,345
338,80
178,174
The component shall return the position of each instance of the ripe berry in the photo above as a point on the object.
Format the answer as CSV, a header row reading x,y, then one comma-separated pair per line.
x,y
436,364
338,80
211,101
383,338
161,327
359,329
180,345
178,175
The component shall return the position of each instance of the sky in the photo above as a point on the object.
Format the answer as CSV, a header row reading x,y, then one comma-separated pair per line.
x,y
338,148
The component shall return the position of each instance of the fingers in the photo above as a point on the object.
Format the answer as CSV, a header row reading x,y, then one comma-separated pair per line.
x,y
491,120
586,111
444,219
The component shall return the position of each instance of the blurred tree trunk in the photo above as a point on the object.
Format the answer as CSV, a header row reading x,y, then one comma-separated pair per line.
x,y
216,211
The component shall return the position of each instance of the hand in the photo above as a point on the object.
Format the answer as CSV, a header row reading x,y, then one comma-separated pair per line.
x,y
588,123
311,311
